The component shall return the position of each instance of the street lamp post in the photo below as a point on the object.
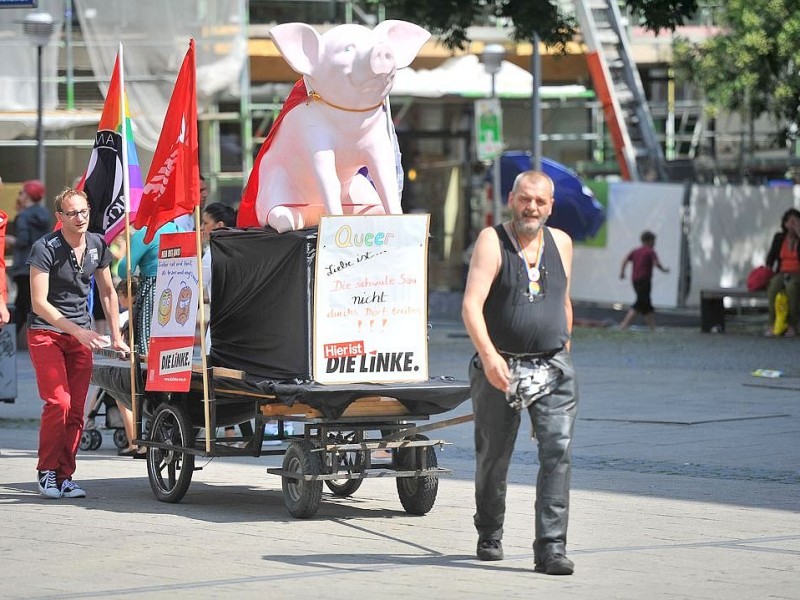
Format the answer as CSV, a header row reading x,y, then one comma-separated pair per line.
x,y
38,27
492,58
536,106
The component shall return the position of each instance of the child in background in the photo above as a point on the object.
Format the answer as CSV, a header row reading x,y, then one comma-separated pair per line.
x,y
643,259
125,321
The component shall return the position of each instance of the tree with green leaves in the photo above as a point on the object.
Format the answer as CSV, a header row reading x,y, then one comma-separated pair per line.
x,y
450,19
753,65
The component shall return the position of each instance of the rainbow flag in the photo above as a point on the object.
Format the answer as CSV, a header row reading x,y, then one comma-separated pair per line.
x,y
113,179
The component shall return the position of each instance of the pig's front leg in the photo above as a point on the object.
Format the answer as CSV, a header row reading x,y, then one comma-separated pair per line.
x,y
292,218
327,179
384,177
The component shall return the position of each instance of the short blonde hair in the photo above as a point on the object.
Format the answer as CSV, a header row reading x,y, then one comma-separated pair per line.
x,y
68,192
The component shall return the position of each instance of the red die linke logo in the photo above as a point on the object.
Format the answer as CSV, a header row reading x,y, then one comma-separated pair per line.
x,y
349,357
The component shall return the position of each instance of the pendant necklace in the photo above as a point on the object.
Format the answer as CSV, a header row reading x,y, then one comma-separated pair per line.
x,y
534,274
76,264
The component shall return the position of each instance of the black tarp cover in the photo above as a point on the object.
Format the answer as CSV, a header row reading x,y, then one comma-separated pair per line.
x,y
261,291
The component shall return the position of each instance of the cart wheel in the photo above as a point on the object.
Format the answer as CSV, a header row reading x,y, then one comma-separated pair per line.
x,y
302,497
97,439
86,440
417,494
170,471
120,439
347,462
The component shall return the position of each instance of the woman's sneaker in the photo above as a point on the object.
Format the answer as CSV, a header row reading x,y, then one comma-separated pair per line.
x,y
70,489
48,486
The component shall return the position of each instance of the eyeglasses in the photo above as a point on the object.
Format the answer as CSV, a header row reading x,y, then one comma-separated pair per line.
x,y
76,213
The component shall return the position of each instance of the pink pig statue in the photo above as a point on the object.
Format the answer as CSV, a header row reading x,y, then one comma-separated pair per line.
x,y
342,124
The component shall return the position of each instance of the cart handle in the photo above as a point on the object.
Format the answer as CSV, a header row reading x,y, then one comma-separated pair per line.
x,y
429,427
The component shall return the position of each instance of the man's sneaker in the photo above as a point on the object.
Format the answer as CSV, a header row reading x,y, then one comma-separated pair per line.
x,y
70,489
555,564
490,550
47,485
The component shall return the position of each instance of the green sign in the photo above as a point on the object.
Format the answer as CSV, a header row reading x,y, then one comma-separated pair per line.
x,y
489,128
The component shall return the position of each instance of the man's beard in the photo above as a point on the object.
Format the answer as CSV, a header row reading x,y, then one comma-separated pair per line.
x,y
526,227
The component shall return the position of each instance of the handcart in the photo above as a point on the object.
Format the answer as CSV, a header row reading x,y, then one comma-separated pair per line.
x,y
341,427
265,320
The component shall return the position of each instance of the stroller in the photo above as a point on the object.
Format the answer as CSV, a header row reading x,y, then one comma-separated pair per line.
x,y
103,405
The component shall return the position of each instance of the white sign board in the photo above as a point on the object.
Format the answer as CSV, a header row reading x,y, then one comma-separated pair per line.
x,y
370,299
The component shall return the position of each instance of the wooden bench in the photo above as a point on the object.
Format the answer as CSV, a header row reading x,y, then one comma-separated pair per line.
x,y
712,306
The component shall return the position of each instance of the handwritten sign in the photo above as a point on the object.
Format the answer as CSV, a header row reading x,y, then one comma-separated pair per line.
x,y
169,363
370,299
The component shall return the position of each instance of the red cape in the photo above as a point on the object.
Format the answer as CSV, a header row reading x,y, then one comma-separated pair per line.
x,y
247,207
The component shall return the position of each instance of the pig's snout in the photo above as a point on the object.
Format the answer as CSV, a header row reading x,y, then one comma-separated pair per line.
x,y
381,60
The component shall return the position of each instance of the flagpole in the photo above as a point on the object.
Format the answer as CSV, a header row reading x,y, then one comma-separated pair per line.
x,y
126,192
199,244
202,314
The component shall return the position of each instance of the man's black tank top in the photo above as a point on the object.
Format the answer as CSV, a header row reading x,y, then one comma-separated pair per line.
x,y
518,324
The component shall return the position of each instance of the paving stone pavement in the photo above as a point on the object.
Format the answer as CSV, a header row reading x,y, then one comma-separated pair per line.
x,y
686,484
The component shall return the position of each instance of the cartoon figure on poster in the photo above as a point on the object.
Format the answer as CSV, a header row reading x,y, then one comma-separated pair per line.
x,y
335,122
175,312
164,307
184,306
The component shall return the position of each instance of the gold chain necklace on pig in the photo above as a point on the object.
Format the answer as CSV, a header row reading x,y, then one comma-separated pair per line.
x,y
312,95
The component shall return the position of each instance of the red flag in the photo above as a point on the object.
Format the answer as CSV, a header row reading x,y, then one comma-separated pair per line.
x,y
247,207
173,183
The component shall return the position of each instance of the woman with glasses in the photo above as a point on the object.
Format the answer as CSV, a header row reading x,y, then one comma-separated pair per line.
x,y
60,337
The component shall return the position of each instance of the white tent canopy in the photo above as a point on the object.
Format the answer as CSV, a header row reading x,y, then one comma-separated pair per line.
x,y
466,76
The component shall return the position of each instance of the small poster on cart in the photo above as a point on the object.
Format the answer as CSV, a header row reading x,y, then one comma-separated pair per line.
x,y
172,329
370,299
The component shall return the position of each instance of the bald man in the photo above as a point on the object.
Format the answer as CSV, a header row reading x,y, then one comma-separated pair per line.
x,y
518,314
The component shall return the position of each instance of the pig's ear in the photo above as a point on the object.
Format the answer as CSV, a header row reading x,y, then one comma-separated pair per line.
x,y
406,39
299,44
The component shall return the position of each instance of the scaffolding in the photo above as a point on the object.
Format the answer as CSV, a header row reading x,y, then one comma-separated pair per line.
x,y
77,69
